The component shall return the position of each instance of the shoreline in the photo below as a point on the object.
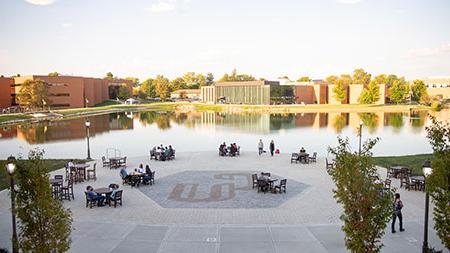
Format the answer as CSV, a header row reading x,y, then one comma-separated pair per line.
x,y
11,119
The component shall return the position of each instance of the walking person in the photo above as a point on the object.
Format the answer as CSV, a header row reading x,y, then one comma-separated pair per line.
x,y
397,205
272,147
260,147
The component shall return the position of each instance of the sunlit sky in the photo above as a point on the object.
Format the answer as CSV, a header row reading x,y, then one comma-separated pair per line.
x,y
265,38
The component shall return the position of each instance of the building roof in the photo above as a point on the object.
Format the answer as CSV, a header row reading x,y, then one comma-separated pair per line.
x,y
191,91
247,83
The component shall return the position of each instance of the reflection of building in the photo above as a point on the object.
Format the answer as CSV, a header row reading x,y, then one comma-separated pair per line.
x,y
186,93
71,129
5,91
75,91
249,92
438,87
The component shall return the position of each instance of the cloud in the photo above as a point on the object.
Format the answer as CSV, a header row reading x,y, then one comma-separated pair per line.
x,y
162,6
41,2
426,52
66,25
348,1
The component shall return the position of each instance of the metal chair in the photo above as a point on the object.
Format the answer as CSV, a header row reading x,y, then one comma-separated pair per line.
x,y
313,158
281,187
105,162
67,191
294,157
117,198
91,173
254,180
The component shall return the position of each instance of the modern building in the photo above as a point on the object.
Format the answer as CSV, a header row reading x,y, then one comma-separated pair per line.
x,y
75,91
186,93
6,84
248,92
438,87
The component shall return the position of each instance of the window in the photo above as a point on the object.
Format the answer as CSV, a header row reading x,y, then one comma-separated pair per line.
x,y
59,94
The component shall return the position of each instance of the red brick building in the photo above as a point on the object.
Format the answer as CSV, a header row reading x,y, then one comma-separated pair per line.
x,y
5,91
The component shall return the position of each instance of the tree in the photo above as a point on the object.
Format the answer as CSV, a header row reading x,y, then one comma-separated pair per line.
x,y
234,77
361,77
304,79
134,80
418,90
340,91
380,79
109,76
438,183
34,94
346,79
124,92
390,79
162,87
367,206
178,84
370,94
194,81
399,91
53,74
209,79
45,225
332,79
148,88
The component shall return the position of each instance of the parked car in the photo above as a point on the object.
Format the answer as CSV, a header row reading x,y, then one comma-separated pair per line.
x,y
131,101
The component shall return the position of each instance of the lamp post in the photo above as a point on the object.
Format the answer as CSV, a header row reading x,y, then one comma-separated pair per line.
x,y
427,170
88,124
360,135
10,168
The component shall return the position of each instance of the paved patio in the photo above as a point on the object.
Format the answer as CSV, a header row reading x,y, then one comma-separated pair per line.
x,y
305,218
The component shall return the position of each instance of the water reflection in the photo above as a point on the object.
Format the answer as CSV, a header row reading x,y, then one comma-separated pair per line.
x,y
245,122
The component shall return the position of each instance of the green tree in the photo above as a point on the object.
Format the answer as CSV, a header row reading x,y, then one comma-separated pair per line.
x,y
209,79
346,79
304,79
234,77
109,76
390,79
53,74
340,91
148,88
438,183
34,94
370,94
399,91
162,87
332,79
124,92
367,207
178,84
134,80
380,79
418,90
361,77
45,225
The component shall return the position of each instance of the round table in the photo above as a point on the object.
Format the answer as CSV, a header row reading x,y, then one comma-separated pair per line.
x,y
103,191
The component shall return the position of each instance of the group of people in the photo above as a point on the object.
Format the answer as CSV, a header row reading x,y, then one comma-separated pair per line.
x,y
271,148
232,150
100,199
139,175
163,153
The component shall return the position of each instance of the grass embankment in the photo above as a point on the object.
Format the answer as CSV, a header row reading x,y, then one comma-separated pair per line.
x,y
412,161
9,117
52,165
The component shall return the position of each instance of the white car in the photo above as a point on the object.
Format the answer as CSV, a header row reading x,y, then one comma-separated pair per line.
x,y
131,101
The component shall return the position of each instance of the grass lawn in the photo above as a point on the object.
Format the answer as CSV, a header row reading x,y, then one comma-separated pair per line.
x,y
8,117
412,161
52,164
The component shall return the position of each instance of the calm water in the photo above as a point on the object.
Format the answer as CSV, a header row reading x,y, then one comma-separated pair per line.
x,y
135,133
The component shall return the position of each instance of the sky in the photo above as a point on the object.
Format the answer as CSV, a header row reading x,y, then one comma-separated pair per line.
x,y
264,38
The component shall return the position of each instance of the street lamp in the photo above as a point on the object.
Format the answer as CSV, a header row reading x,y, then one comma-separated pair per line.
x,y
360,135
88,124
427,170
10,168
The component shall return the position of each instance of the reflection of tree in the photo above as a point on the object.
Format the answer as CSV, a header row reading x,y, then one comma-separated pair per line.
x,y
34,133
148,118
418,119
370,120
180,118
396,120
163,121
339,122
281,121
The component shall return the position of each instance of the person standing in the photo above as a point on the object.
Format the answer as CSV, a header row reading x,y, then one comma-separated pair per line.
x,y
272,147
260,147
397,205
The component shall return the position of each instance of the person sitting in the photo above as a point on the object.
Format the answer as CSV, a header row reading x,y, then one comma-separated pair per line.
x,y
141,168
93,196
221,150
70,164
115,188
166,154
126,178
302,150
233,150
171,152
148,175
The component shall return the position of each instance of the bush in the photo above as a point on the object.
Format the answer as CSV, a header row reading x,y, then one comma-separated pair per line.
x,y
436,106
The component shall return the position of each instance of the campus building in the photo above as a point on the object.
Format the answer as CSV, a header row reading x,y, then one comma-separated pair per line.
x,y
193,94
249,92
438,87
75,91
6,85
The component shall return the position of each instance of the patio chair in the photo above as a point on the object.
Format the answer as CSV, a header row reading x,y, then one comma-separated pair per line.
x,y
405,181
330,166
267,174
117,198
254,180
390,173
238,152
105,162
58,177
91,173
281,187
387,184
152,179
294,157
152,154
67,191
263,186
313,158
123,162
67,172
89,202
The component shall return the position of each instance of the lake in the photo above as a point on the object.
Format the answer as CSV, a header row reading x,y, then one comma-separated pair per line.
x,y
134,133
